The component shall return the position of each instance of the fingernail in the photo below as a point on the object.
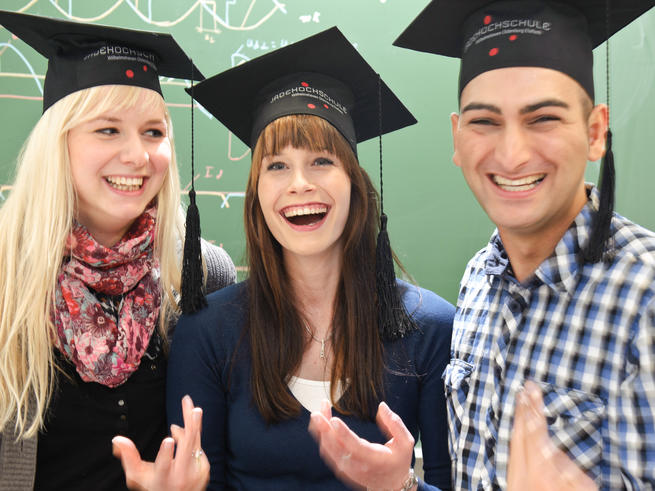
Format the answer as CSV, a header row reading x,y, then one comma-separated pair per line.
x,y
532,391
521,398
115,449
334,422
186,399
313,423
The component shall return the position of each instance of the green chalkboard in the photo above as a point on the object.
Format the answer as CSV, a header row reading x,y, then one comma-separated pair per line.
x,y
435,223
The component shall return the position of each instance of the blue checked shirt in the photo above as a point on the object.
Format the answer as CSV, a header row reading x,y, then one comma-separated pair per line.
x,y
585,334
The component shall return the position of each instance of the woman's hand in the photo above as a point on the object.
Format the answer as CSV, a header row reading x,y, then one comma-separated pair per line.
x,y
358,462
534,460
186,468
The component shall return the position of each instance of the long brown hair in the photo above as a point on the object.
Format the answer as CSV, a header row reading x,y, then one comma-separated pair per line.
x,y
274,328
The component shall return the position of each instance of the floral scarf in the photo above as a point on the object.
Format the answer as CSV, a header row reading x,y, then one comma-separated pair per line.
x,y
102,349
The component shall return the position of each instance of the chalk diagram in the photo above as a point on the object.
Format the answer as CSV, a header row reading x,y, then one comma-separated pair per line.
x,y
212,19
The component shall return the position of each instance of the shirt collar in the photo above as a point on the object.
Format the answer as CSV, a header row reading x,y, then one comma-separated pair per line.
x,y
558,271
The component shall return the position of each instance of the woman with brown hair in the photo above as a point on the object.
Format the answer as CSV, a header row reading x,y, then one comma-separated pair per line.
x,y
309,324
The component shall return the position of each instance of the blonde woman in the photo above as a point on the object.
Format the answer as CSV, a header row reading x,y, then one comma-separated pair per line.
x,y
89,270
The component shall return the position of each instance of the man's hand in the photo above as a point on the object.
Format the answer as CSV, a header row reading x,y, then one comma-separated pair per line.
x,y
535,462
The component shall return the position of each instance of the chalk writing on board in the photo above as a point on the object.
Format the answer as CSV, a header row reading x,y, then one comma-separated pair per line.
x,y
217,14
32,74
264,45
315,17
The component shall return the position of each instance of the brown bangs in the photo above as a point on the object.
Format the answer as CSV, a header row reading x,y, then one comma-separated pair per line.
x,y
274,327
303,131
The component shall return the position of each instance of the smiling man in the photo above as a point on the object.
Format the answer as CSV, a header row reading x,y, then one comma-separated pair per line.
x,y
553,348
563,295
522,141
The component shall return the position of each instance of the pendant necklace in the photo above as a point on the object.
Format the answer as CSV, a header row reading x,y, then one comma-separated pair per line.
x,y
322,341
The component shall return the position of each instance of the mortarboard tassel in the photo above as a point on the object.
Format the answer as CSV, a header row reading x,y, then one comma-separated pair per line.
x,y
193,297
600,225
597,248
393,320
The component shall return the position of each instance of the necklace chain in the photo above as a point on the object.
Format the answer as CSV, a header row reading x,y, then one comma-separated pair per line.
x,y
322,341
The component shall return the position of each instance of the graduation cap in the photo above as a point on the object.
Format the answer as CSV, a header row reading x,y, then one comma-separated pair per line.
x,y
81,56
322,75
488,35
325,76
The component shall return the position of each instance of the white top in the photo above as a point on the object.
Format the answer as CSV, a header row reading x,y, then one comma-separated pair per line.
x,y
310,393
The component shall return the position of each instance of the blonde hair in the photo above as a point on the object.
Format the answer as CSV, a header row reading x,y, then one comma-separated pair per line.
x,y
36,219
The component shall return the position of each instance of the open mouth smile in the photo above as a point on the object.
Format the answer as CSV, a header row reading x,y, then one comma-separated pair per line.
x,y
516,185
125,183
305,215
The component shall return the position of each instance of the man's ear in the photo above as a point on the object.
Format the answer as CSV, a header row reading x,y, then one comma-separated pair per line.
x,y
454,126
597,131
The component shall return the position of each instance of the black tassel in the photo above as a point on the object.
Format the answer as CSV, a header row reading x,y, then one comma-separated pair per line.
x,y
192,295
394,321
602,219
598,247
193,298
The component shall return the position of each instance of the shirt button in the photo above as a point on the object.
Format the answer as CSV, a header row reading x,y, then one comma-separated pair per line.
x,y
121,402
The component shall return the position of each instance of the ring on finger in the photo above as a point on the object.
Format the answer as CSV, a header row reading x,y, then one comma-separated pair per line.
x,y
197,454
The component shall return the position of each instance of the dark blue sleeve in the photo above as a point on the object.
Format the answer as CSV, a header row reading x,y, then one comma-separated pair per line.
x,y
435,319
196,367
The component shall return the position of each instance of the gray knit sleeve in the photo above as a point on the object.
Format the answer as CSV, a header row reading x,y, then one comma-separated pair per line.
x,y
17,459
220,268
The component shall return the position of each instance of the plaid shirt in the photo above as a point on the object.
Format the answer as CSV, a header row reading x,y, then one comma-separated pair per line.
x,y
584,333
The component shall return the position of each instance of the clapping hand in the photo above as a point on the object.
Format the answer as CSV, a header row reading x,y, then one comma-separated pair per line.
x,y
357,462
535,462
184,468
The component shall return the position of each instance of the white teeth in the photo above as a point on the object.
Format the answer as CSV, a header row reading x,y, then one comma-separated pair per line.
x,y
522,184
123,183
305,210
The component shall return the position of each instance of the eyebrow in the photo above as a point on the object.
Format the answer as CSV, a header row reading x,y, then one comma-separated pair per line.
x,y
479,106
106,118
118,120
547,103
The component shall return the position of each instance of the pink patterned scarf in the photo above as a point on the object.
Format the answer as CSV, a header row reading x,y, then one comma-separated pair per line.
x,y
103,350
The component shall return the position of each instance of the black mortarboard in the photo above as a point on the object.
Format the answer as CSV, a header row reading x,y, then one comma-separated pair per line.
x,y
560,35
81,56
323,75
496,34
